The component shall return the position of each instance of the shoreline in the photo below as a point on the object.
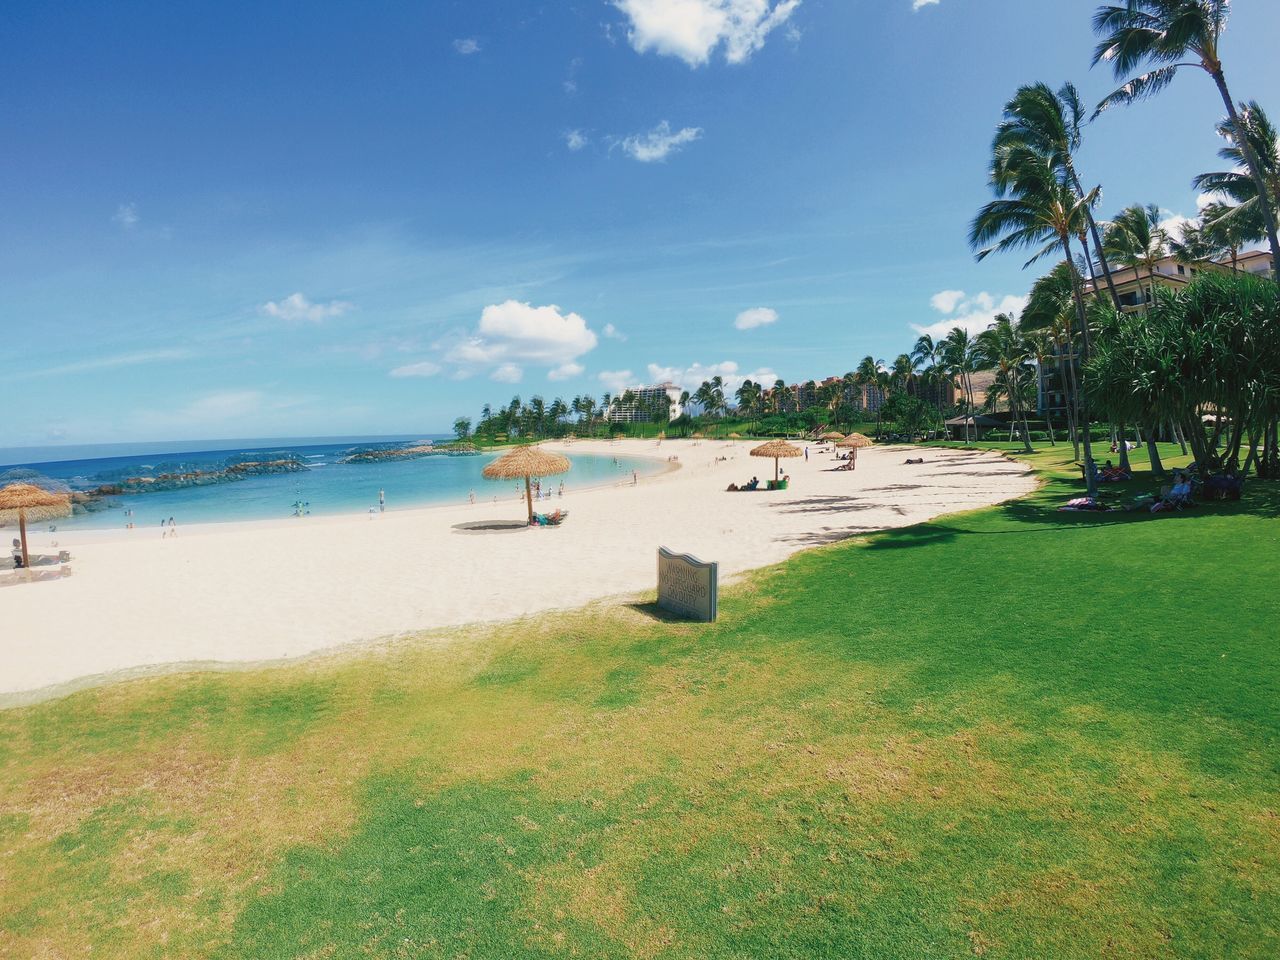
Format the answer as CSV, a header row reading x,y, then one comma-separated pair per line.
x,y
230,595
122,534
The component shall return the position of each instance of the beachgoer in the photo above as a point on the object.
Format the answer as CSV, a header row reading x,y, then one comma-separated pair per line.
x,y
561,488
173,527
472,496
806,454
635,478
382,501
17,553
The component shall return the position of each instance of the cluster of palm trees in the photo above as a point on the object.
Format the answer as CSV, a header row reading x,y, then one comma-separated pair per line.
x,y
1042,206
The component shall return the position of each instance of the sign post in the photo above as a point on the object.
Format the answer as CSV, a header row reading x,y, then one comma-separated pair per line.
x,y
688,587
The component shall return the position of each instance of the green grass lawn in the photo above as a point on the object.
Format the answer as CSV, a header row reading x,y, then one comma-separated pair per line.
x,y
1013,733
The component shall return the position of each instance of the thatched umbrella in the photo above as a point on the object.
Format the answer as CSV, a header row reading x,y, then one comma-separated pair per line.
x,y
735,437
777,449
526,461
853,443
25,501
832,435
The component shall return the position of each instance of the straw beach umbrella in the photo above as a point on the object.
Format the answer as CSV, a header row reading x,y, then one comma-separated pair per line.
x,y
25,501
776,449
832,435
526,461
853,443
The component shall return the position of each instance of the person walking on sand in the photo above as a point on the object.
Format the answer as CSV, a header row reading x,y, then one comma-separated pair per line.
x,y
635,478
173,527
806,454
472,497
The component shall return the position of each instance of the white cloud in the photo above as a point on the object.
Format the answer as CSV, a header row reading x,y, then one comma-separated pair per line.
x,y
691,377
575,140
507,373
566,371
917,4
513,333
972,313
616,381
1204,199
755,317
659,143
694,29
424,369
613,333
946,301
224,405
1174,223
296,308
104,363
126,215
467,46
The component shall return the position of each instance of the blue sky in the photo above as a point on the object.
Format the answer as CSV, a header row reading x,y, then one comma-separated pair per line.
x,y
311,218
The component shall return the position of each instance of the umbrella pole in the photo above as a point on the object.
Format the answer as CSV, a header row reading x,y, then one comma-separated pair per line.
x,y
528,497
22,531
776,471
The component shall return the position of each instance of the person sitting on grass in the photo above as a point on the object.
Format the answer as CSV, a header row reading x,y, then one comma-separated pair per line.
x,y
1113,474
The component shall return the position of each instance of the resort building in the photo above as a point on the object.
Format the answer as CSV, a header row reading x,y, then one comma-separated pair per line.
x,y
1135,285
646,404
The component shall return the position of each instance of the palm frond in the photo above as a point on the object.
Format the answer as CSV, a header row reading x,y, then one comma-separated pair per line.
x,y
1139,88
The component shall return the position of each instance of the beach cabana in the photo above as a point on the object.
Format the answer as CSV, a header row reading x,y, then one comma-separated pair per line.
x,y
978,421
776,450
526,461
26,501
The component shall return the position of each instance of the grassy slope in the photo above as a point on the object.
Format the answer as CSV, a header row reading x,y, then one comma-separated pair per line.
x,y
1011,733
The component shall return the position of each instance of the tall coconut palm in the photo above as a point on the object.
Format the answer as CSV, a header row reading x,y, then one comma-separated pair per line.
x,y
1244,220
1170,35
1049,123
868,378
928,354
962,358
1002,349
1136,239
1039,211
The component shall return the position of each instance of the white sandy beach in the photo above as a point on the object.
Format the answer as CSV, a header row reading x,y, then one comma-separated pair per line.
x,y
234,593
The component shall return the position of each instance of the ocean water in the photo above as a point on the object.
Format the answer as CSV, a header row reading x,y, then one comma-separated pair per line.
x,y
327,487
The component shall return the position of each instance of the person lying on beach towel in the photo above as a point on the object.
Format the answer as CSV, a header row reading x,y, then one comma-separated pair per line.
x,y
911,462
1084,505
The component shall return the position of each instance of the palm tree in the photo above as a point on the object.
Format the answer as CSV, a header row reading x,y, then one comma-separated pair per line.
x,y
1047,122
1038,210
1244,220
1173,34
1040,348
1197,242
962,358
928,354
1001,348
1136,239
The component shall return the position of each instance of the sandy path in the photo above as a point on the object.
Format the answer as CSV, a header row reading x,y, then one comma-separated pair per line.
x,y
275,589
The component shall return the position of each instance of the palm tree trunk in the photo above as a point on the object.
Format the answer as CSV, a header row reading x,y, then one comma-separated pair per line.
x,y
1097,239
1122,447
1153,453
1090,474
1255,169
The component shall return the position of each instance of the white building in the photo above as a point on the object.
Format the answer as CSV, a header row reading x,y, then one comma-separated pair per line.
x,y
643,402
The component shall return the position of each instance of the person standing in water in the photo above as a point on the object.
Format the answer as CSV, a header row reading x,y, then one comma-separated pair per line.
x,y
382,501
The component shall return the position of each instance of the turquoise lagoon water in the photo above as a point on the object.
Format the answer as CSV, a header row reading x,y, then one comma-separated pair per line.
x,y
326,487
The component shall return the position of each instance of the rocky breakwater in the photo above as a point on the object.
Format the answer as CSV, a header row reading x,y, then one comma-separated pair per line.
x,y
414,451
